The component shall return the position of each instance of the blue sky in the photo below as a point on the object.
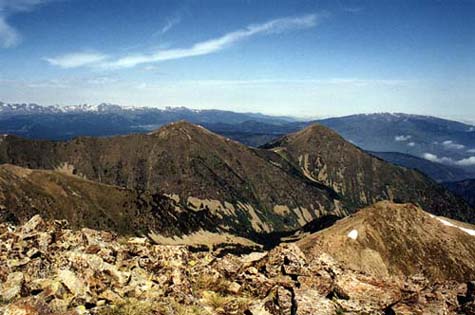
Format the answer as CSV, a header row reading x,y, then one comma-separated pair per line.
x,y
301,58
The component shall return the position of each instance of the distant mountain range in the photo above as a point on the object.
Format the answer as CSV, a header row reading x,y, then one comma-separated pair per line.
x,y
436,139
437,171
440,148
66,122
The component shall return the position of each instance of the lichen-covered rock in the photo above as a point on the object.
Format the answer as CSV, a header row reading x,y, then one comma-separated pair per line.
x,y
72,282
12,287
310,302
48,269
32,306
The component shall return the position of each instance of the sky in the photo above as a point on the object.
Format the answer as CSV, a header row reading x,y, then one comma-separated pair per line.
x,y
306,58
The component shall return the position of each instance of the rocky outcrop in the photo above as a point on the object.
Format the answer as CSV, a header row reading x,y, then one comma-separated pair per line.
x,y
46,268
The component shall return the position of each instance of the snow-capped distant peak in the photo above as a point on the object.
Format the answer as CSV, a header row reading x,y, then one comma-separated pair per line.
x,y
7,108
38,109
181,109
25,108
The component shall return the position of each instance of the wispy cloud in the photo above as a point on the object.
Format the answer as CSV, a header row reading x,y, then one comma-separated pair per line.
x,y
75,60
169,24
201,48
9,36
287,82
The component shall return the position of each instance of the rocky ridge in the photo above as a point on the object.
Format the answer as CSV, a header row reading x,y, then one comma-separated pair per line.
x,y
48,269
361,179
197,168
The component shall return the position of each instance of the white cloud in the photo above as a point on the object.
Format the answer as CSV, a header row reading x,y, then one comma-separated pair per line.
x,y
75,60
9,36
411,144
446,160
434,158
471,151
170,23
202,48
467,162
402,138
449,144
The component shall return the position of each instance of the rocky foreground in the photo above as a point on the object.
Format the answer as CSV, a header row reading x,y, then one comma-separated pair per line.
x,y
46,268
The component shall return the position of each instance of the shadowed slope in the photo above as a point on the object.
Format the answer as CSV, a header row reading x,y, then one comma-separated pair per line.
x,y
464,189
53,195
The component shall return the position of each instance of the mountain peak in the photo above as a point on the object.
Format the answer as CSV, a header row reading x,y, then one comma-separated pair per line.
x,y
313,135
316,130
325,157
182,127
182,124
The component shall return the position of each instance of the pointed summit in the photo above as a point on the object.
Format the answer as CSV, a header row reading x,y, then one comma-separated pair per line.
x,y
314,134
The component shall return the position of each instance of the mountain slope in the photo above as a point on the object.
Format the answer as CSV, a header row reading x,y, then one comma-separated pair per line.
x,y
399,239
362,179
196,167
437,171
464,189
54,195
